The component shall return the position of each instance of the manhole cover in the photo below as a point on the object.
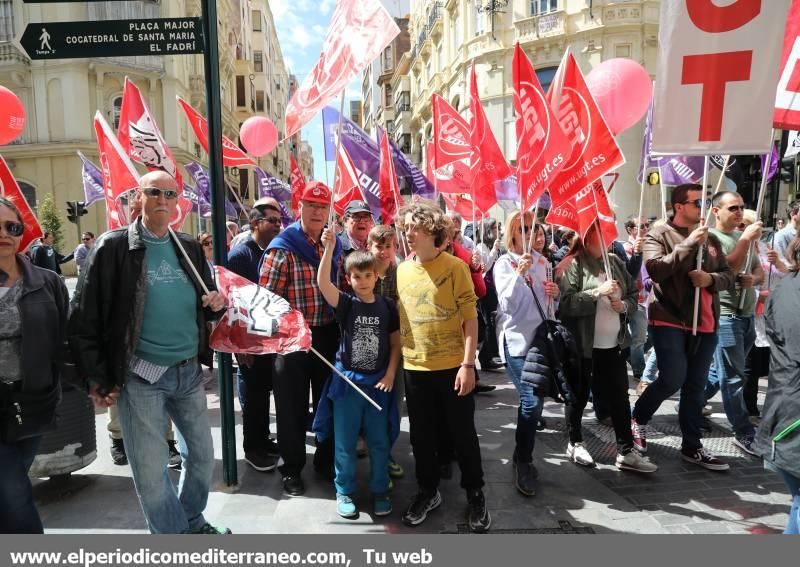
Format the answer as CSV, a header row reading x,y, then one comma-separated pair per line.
x,y
564,527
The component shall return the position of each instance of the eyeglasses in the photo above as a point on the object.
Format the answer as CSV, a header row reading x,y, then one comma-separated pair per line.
x,y
156,192
735,208
271,220
86,239
13,228
697,203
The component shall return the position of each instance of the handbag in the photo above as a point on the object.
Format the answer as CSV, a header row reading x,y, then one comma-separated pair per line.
x,y
27,414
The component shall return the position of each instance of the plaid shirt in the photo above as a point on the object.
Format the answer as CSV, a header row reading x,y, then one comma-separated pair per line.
x,y
387,285
295,280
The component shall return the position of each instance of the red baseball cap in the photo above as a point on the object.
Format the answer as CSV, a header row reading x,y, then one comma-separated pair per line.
x,y
316,192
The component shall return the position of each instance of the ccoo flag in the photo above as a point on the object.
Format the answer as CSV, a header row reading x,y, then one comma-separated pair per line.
x,y
92,179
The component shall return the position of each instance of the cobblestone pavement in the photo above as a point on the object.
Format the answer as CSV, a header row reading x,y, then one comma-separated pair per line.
x,y
679,498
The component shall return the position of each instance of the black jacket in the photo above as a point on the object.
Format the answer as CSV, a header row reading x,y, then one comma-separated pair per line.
x,y
782,405
108,305
553,364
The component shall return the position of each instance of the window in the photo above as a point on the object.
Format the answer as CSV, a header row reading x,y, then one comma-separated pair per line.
x,y
543,6
545,76
256,20
259,101
7,32
622,50
459,33
116,108
280,110
479,19
388,59
29,192
241,98
387,94
258,61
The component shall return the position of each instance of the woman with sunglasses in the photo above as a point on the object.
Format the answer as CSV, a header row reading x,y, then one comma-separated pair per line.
x,y
207,242
518,276
33,316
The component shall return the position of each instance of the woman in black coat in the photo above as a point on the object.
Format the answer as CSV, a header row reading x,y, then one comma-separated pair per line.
x,y
33,315
778,437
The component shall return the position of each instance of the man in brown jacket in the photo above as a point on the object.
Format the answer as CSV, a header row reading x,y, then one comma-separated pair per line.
x,y
670,255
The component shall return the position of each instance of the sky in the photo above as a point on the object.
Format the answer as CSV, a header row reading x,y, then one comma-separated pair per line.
x,y
301,27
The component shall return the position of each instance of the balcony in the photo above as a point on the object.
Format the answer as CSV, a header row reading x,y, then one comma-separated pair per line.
x,y
435,20
531,29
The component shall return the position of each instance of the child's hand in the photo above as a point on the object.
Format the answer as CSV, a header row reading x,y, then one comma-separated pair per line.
x,y
386,383
328,237
465,381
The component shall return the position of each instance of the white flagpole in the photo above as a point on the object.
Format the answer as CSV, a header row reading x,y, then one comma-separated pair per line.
x,y
699,264
641,197
663,194
346,379
338,146
532,235
719,183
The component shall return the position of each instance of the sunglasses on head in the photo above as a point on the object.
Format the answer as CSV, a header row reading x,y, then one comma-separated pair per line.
x,y
156,192
13,228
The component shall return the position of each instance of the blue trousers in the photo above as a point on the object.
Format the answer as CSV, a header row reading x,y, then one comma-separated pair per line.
x,y
352,414
529,411
18,514
793,483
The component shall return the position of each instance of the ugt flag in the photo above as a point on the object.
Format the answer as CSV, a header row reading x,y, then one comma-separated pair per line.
x,y
232,155
787,100
450,134
486,162
256,321
359,31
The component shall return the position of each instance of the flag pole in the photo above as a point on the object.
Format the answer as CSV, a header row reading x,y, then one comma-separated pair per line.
x,y
338,147
531,236
603,245
719,183
346,379
759,207
699,264
641,196
663,194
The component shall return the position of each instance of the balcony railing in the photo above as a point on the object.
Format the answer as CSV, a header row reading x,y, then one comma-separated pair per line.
x,y
544,25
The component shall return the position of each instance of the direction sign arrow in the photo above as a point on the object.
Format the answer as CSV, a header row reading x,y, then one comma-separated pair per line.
x,y
113,38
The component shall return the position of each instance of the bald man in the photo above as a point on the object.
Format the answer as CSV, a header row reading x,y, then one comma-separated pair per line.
x,y
137,327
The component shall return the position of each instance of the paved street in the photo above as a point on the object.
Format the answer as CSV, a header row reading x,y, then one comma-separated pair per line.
x,y
679,498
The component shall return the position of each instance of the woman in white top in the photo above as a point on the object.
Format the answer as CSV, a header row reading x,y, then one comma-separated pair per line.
x,y
517,276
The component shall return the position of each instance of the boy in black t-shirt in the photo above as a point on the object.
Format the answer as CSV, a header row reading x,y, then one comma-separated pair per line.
x,y
369,352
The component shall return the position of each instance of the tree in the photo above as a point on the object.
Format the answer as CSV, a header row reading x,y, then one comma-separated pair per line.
x,y
50,219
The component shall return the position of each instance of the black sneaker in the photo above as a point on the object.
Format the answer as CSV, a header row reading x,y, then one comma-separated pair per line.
x,y
479,519
208,529
272,448
525,475
118,452
541,425
745,443
175,459
484,388
261,461
422,504
704,459
293,485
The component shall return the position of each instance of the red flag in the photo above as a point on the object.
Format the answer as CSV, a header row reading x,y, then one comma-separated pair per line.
x,y
454,177
346,187
298,183
462,204
359,31
486,161
387,182
256,321
592,204
565,215
787,101
451,137
119,174
141,139
11,191
232,155
594,149
542,147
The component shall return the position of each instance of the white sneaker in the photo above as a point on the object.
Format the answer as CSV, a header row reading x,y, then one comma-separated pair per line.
x,y
578,454
634,461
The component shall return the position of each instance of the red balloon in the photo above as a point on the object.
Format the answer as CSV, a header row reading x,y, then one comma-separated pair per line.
x,y
12,116
623,90
258,135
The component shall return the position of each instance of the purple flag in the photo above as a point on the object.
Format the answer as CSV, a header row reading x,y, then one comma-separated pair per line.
x,y
202,180
199,203
773,164
92,182
269,186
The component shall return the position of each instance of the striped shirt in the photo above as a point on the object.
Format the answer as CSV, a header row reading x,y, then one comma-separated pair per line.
x,y
284,273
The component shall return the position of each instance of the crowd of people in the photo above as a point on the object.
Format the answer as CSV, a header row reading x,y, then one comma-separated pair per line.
x,y
407,313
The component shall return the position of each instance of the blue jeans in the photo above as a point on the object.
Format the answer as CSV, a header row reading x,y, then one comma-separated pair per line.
x,y
528,412
638,329
18,514
736,337
683,362
650,368
144,409
353,414
793,483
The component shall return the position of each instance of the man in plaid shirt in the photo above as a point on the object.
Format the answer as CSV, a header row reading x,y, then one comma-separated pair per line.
x,y
289,269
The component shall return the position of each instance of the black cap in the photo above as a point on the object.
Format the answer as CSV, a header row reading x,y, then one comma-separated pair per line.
x,y
357,207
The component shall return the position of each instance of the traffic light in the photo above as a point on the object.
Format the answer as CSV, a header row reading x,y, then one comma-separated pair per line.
x,y
788,170
75,210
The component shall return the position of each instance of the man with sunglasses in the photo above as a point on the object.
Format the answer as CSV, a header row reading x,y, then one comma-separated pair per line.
x,y
358,222
137,327
670,256
82,250
255,372
736,326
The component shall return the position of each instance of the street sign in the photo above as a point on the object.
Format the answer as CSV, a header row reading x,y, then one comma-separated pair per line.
x,y
113,38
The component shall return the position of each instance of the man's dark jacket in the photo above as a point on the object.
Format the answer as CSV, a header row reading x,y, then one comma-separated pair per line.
x,y
108,305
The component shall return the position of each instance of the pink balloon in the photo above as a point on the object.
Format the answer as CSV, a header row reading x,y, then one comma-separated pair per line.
x,y
258,135
12,116
623,90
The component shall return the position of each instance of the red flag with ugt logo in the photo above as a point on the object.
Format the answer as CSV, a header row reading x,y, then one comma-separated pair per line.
x,y
359,31
592,204
451,137
565,215
542,147
119,174
298,183
462,204
11,191
232,155
387,182
454,177
256,321
787,100
346,188
594,150
486,161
